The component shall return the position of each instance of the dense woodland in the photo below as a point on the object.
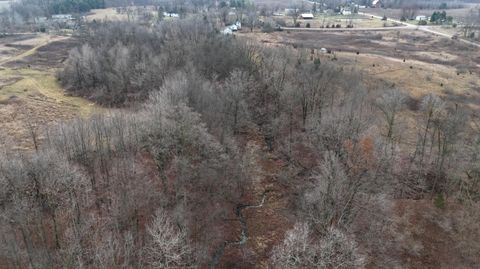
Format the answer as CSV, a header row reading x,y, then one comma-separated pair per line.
x,y
124,62
149,185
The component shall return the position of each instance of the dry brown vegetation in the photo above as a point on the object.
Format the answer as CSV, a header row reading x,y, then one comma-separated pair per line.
x,y
30,97
418,64
254,151
458,13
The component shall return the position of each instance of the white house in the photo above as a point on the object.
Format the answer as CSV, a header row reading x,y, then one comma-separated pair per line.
x,y
421,18
307,16
239,25
346,11
377,3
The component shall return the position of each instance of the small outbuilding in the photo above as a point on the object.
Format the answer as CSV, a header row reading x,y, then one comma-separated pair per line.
x,y
307,16
421,18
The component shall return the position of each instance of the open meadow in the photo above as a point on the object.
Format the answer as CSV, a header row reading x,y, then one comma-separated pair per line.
x,y
459,14
329,20
30,96
415,62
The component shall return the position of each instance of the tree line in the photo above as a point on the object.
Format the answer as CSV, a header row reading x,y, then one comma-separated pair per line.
x,y
29,9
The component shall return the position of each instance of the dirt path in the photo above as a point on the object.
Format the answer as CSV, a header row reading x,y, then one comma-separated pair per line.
x,y
45,39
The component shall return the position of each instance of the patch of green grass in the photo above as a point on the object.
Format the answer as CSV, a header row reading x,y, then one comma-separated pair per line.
x,y
35,82
439,201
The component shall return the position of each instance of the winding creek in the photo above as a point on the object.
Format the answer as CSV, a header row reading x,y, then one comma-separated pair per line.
x,y
218,254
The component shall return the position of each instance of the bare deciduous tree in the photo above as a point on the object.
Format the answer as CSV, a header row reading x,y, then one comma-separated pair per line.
x,y
433,108
300,250
168,246
390,104
236,89
330,201
251,16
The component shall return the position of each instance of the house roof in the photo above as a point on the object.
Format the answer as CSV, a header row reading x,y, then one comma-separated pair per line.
x,y
374,2
306,15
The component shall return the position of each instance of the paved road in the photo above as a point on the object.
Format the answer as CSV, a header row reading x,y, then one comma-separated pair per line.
x,y
423,28
405,27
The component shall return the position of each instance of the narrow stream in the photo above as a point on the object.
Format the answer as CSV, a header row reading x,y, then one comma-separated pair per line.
x,y
244,231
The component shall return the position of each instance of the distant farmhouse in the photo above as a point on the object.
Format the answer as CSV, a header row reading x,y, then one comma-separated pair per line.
x,y
377,3
346,11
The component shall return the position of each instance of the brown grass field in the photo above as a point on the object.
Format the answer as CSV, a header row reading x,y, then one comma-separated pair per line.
x,y
458,14
106,14
322,20
415,62
30,96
